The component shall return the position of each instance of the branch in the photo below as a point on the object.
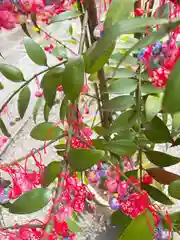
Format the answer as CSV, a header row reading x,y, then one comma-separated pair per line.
x,y
30,154
27,82
83,32
58,41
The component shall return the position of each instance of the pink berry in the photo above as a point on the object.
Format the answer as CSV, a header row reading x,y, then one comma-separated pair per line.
x,y
39,93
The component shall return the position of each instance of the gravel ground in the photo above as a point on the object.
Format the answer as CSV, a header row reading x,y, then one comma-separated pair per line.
x,y
14,53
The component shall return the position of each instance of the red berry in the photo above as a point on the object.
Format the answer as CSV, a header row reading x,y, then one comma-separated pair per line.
x,y
139,12
60,88
147,179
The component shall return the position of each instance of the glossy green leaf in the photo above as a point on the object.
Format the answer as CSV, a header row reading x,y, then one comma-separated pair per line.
x,y
73,226
73,78
139,228
161,159
59,52
120,220
51,80
64,109
122,86
124,121
4,129
176,121
47,110
174,189
67,15
98,143
46,131
148,88
152,106
50,173
171,100
35,52
23,101
162,176
115,57
156,131
120,73
82,159
101,131
156,194
37,199
121,147
36,108
11,72
118,10
120,103
92,64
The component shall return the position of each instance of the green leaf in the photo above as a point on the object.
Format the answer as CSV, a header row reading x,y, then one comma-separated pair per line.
x,y
98,143
4,129
67,15
47,110
156,194
139,228
59,52
51,80
171,99
50,173
115,57
152,106
101,131
121,147
36,108
162,176
123,122
174,189
120,220
11,72
64,109
23,101
82,159
156,131
118,10
92,64
120,103
35,52
161,159
176,121
120,72
73,226
122,86
148,88
73,78
38,198
46,131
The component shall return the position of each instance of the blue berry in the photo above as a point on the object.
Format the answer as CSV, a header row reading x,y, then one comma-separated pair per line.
x,y
11,123
114,203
